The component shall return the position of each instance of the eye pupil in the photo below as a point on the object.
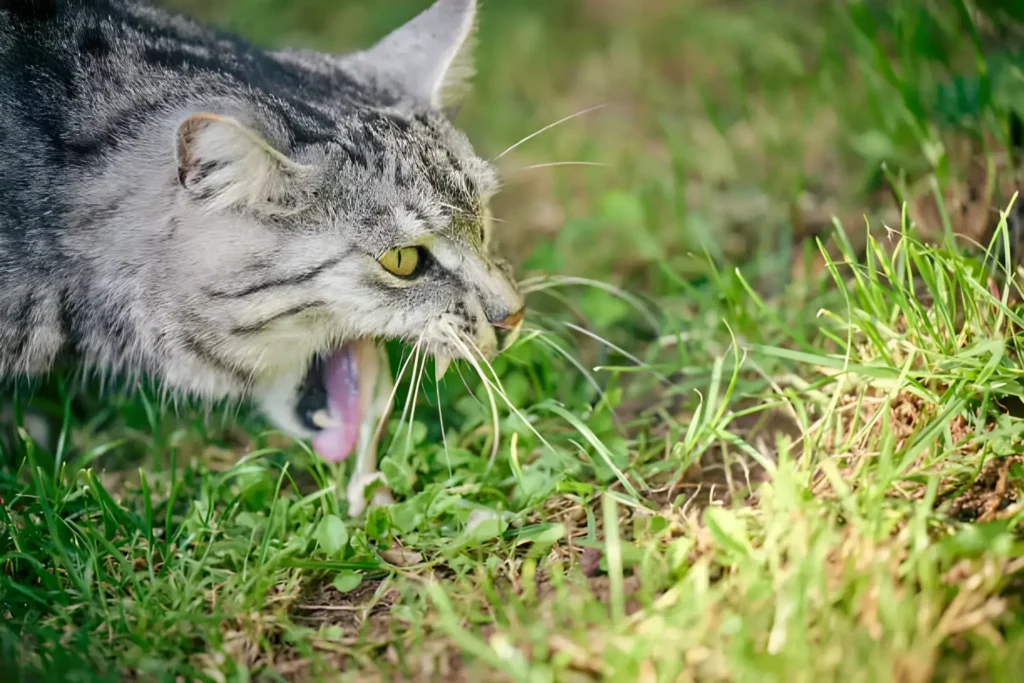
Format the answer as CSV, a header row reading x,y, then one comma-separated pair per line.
x,y
404,262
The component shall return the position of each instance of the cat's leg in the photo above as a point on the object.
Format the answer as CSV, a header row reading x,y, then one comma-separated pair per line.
x,y
375,389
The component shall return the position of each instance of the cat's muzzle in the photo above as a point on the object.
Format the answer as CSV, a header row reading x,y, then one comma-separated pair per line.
x,y
347,392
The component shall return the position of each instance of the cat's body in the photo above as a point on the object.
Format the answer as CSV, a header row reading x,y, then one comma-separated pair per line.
x,y
180,205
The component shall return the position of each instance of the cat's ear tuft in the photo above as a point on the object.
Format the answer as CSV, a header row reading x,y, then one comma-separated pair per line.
x,y
228,165
431,57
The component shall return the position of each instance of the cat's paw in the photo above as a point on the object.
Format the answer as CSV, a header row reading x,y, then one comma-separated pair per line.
x,y
356,493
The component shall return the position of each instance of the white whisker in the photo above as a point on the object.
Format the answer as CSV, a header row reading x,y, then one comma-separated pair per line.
x,y
550,343
495,423
598,338
417,380
444,437
415,367
451,207
542,282
549,127
466,384
553,164
565,301
497,387
391,398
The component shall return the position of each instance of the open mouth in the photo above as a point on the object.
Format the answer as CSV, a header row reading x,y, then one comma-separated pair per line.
x,y
344,395
346,392
337,395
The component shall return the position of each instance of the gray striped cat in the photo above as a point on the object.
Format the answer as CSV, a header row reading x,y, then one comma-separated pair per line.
x,y
179,205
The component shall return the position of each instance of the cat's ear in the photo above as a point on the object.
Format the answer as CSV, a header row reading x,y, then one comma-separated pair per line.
x,y
431,57
228,165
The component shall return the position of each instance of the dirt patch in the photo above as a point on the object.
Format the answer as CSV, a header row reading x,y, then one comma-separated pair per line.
x,y
992,492
906,411
363,610
352,628
726,474
600,587
361,632
866,425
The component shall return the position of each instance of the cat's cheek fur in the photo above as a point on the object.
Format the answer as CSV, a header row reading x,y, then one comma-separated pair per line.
x,y
277,399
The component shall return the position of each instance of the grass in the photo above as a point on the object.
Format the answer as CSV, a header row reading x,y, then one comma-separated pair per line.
x,y
764,478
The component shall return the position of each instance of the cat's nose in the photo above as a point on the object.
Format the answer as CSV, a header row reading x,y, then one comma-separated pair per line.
x,y
507,329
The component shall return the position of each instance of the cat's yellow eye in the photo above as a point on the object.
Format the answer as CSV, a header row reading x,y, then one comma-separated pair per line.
x,y
401,262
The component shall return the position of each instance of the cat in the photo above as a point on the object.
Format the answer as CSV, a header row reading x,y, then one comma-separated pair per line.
x,y
232,222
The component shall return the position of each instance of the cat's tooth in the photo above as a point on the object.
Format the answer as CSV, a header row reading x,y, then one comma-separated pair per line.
x,y
441,364
323,420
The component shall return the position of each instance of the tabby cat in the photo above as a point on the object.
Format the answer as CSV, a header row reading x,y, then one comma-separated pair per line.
x,y
233,222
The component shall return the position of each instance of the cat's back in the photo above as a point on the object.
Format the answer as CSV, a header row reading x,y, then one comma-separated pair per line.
x,y
80,75
91,93
83,81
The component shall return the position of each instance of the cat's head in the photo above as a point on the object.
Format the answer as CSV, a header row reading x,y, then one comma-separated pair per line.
x,y
376,229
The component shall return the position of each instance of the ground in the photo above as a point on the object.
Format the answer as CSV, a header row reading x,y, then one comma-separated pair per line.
x,y
736,444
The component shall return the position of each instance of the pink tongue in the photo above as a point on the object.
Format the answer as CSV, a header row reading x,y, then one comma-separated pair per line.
x,y
342,384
